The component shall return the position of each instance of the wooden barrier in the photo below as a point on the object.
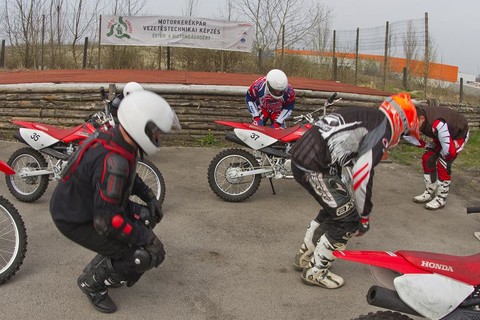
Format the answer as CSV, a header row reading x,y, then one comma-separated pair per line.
x,y
197,106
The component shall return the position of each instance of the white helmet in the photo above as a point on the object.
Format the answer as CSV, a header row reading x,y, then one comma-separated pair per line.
x,y
277,83
145,115
131,87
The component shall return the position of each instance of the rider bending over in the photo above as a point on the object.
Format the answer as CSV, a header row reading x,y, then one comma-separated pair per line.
x,y
271,98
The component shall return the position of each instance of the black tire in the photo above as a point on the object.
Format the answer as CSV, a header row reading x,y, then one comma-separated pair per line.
x,y
383,315
27,189
233,189
152,176
13,240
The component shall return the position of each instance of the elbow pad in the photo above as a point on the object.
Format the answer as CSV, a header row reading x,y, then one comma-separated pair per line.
x,y
114,179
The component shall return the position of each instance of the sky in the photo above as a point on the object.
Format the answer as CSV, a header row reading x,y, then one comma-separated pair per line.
x,y
454,25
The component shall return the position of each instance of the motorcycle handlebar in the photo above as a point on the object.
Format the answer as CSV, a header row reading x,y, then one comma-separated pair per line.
x,y
473,210
332,97
103,94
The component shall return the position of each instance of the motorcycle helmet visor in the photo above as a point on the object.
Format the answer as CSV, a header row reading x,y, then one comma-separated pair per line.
x,y
153,133
274,92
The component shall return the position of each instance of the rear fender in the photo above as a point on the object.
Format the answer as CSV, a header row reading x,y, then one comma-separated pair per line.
x,y
24,124
241,125
36,139
383,259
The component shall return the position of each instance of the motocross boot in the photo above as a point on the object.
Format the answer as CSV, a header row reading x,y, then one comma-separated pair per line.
x,y
304,255
317,273
429,192
441,196
93,284
96,261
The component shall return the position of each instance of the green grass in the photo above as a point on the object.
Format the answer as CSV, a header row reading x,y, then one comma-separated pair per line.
x,y
468,159
208,140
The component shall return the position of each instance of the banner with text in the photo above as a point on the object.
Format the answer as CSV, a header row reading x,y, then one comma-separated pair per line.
x,y
169,31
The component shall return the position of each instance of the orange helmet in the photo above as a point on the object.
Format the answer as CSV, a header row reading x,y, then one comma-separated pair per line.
x,y
402,115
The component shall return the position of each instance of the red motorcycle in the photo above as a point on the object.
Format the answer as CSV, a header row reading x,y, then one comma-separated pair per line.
x,y
48,150
13,235
423,284
235,174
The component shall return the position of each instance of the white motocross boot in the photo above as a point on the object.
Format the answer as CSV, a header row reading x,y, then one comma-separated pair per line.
x,y
441,196
304,255
317,273
429,192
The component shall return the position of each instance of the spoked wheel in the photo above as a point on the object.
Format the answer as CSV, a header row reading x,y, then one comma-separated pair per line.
x,y
27,189
13,240
224,175
153,178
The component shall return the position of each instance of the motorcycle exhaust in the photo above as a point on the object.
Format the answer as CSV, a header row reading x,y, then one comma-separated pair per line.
x,y
388,299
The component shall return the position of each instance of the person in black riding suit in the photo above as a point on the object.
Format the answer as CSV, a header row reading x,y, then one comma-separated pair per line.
x,y
130,87
91,205
350,137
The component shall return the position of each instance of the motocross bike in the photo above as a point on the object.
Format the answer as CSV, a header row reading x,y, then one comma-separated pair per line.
x,y
49,149
423,284
235,174
13,235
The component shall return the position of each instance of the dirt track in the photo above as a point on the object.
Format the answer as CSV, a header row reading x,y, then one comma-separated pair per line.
x,y
170,77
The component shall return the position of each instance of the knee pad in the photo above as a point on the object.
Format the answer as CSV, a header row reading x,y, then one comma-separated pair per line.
x,y
333,193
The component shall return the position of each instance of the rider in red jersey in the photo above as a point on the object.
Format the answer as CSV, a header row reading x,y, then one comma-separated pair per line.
x,y
271,99
448,130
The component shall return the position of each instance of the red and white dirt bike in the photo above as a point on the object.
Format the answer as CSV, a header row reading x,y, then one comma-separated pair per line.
x,y
13,235
48,150
235,174
423,284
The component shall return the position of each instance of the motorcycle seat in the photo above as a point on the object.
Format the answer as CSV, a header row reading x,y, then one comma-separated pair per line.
x,y
278,134
57,133
462,268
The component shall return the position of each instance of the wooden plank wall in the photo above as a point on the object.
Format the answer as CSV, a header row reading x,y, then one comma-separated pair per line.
x,y
197,107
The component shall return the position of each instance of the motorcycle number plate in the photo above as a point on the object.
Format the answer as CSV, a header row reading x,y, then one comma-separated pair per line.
x,y
37,139
254,139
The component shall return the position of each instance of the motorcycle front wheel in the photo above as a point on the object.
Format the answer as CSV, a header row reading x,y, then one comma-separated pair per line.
x,y
27,189
224,179
383,315
13,240
153,178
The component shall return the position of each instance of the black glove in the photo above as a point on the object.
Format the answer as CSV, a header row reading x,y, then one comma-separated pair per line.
x,y
155,208
142,214
364,226
150,256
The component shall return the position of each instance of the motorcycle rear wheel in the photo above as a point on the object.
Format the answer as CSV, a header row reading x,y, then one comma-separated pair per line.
x,y
153,178
221,173
383,315
13,240
27,189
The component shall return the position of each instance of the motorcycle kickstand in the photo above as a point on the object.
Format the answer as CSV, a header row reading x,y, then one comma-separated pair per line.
x,y
271,184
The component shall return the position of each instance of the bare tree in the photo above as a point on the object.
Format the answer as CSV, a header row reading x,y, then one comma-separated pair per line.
x,y
191,8
22,21
83,20
288,22
228,12
410,48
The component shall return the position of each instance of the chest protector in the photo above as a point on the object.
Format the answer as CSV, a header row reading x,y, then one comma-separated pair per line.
x,y
104,139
